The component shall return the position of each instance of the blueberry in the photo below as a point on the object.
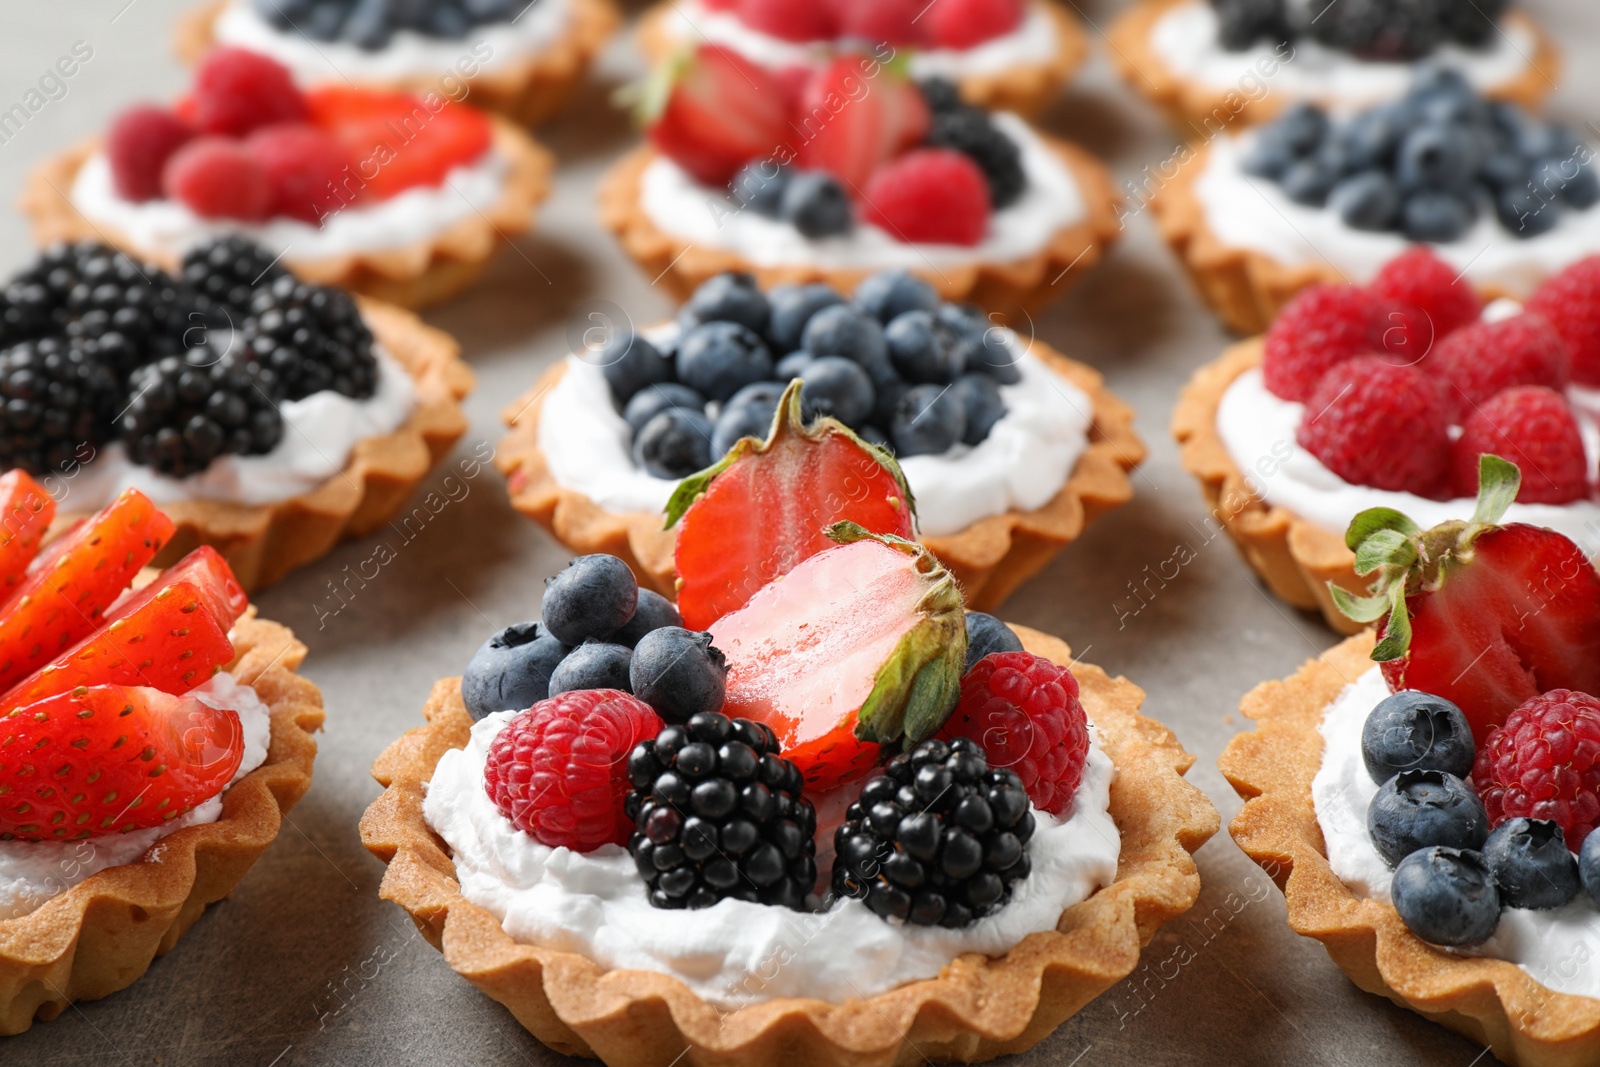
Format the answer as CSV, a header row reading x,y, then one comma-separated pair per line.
x,y
930,419
1371,138
1412,730
889,294
759,186
728,297
1436,156
1415,809
678,672
920,347
1446,896
592,665
746,420
325,23
1439,217
511,671
718,358
1531,865
1302,128
793,365
763,396
792,307
981,397
1522,212
591,597
835,386
447,23
652,400
1589,866
368,26
816,204
848,332
652,613
1308,182
890,392
980,346
674,444
1268,157
986,634
1504,169
1369,200
630,363
1566,179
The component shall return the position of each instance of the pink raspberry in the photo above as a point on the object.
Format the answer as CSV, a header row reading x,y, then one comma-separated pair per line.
x,y
1323,326
1534,428
968,23
1570,301
1485,358
305,165
1419,278
236,91
139,144
216,178
1377,424
791,20
1544,763
932,195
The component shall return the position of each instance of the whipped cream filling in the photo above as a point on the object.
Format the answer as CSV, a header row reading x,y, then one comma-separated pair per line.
x,y
32,872
1560,947
319,434
735,953
409,54
678,204
415,215
1022,464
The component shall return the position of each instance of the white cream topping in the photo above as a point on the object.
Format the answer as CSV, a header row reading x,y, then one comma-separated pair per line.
x,y
1022,464
736,953
678,204
32,872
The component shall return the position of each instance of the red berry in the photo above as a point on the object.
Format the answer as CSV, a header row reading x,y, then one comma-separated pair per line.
x,y
1373,423
1424,281
1486,358
1024,711
1533,427
236,91
931,195
966,23
722,112
139,144
1570,301
305,166
218,178
1322,326
792,20
893,21
1544,763
559,771
882,117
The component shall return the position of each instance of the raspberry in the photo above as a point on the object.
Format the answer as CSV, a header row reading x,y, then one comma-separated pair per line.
x,y
559,771
792,20
1534,428
1322,326
236,91
1570,301
1024,711
1376,424
1486,358
894,21
1421,279
141,141
304,165
965,23
218,179
1544,763
932,194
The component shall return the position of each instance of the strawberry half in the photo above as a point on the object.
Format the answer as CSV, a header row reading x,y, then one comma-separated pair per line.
x,y
852,125
1485,615
395,142
27,510
767,505
711,111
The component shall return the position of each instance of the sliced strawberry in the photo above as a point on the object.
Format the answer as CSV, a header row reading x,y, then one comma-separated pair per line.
x,y
766,506
714,111
394,141
851,124
26,512
110,759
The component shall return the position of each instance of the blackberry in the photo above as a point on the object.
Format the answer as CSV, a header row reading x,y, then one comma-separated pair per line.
x,y
312,338
57,398
936,839
1392,30
1241,23
719,814
969,131
185,411
228,271
1472,22
941,94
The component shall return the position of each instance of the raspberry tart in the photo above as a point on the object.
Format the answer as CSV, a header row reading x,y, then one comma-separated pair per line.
x,y
1007,448
1005,55
522,60
911,808
1428,816
154,737
1503,196
1209,63
396,195
269,416
1385,396
851,169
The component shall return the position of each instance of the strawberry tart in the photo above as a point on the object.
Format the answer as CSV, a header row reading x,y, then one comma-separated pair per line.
x,y
1429,815
841,820
1385,396
1005,55
152,738
852,169
522,59
395,195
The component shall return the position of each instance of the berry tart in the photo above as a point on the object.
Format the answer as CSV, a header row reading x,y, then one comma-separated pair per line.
x,y
1209,63
395,195
269,416
1385,396
153,733
852,169
1429,816
523,60
844,822
1006,449
1259,214
1005,55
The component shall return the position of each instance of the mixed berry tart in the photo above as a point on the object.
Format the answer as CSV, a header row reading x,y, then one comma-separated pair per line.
x,y
153,733
269,416
1503,196
851,169
1209,63
522,59
1006,55
1429,815
1006,449
402,196
1385,395
832,818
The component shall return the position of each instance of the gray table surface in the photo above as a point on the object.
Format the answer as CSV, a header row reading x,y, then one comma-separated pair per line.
x,y
305,965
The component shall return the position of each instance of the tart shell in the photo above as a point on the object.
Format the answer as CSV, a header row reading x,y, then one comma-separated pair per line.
x,y
416,275
1004,287
990,558
978,1008
1271,767
102,934
530,90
